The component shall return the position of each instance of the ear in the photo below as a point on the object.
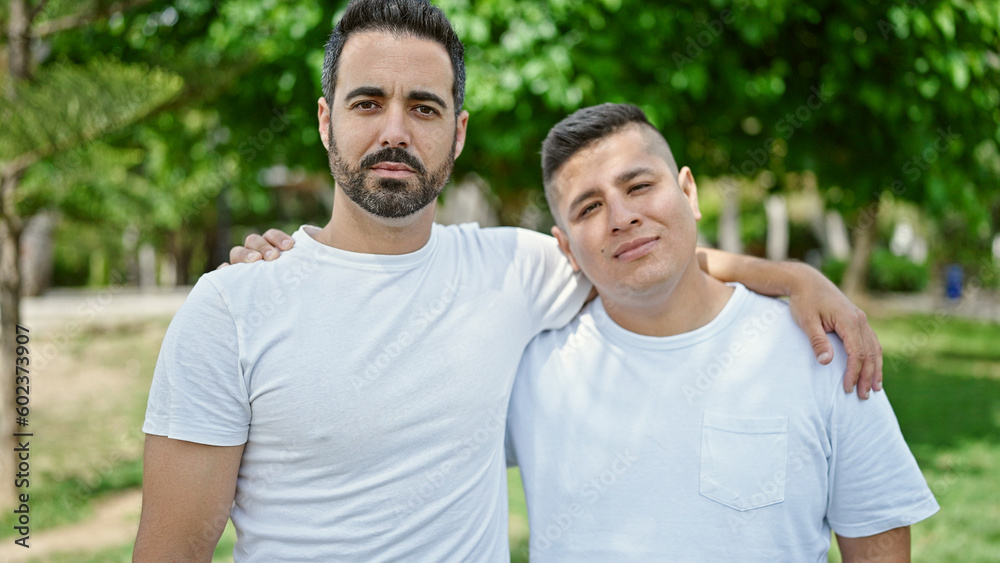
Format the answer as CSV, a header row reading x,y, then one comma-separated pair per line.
x,y
461,123
564,246
323,114
686,181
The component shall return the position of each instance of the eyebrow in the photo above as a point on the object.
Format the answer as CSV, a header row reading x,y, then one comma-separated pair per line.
x,y
630,175
425,96
582,198
373,91
415,95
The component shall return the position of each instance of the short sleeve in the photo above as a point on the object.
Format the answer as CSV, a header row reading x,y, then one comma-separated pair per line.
x,y
875,483
198,392
556,292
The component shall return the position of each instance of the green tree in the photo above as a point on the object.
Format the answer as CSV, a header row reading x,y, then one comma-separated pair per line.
x,y
876,98
47,112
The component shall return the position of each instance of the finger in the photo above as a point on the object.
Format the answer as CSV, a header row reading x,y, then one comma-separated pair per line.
x,y
868,365
849,334
242,254
261,245
819,341
279,239
879,363
223,265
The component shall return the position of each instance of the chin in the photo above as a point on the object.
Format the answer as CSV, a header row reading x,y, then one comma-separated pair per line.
x,y
643,283
403,221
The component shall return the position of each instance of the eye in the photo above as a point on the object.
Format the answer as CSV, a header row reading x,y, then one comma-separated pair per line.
x,y
426,111
638,187
586,210
365,105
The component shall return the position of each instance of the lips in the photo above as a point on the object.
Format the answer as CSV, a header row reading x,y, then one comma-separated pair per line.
x,y
393,166
635,248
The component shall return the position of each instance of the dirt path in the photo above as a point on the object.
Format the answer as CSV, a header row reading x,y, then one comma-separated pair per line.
x,y
113,524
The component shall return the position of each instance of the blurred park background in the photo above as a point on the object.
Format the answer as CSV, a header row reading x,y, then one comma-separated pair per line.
x,y
141,139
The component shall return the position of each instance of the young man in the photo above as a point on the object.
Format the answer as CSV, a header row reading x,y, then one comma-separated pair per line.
x,y
347,403
678,418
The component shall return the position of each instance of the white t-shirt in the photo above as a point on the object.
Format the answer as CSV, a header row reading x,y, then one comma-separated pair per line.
x,y
370,390
726,443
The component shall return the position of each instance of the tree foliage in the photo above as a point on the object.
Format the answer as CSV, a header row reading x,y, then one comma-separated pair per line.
x,y
878,99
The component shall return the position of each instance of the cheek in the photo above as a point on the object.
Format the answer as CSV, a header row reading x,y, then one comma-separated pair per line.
x,y
353,135
435,141
589,248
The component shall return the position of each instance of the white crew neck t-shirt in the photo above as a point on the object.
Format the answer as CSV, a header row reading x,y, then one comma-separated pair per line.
x,y
371,390
726,443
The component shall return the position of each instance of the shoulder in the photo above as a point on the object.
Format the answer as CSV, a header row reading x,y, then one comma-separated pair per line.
x,y
508,238
767,323
525,250
553,350
233,296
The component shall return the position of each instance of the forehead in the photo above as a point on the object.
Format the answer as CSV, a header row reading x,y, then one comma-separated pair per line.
x,y
376,58
600,163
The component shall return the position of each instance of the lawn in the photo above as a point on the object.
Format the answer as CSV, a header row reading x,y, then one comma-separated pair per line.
x,y
942,375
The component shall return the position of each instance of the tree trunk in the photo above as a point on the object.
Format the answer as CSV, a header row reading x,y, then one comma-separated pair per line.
x,y
37,253
837,246
10,317
777,228
19,67
864,232
180,249
730,239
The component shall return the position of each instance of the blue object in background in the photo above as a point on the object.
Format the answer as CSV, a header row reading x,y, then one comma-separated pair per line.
x,y
953,282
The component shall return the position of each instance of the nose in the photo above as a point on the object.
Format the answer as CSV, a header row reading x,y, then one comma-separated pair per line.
x,y
395,130
622,217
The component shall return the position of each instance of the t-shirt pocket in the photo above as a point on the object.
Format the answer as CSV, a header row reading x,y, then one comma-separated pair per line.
x,y
743,460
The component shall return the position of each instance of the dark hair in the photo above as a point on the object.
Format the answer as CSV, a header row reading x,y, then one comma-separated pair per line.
x,y
403,17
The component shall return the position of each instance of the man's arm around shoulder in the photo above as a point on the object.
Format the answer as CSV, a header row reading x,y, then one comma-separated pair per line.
x,y
187,494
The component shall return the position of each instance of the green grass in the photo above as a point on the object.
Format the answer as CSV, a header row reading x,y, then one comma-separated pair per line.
x,y
942,376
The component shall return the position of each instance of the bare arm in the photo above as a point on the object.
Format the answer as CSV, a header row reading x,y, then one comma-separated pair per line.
x,y
817,305
888,547
187,493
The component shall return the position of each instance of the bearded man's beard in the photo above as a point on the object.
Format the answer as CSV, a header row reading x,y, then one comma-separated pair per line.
x,y
389,197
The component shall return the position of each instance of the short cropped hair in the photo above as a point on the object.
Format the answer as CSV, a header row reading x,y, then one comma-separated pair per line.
x,y
417,18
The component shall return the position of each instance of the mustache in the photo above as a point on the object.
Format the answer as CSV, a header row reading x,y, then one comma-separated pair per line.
x,y
393,154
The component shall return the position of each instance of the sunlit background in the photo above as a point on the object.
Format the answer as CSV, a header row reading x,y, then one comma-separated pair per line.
x,y
141,139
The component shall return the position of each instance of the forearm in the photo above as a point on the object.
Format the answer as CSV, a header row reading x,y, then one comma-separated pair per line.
x,y
892,546
766,277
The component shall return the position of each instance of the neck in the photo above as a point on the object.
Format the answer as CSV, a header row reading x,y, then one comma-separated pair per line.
x,y
353,229
685,303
